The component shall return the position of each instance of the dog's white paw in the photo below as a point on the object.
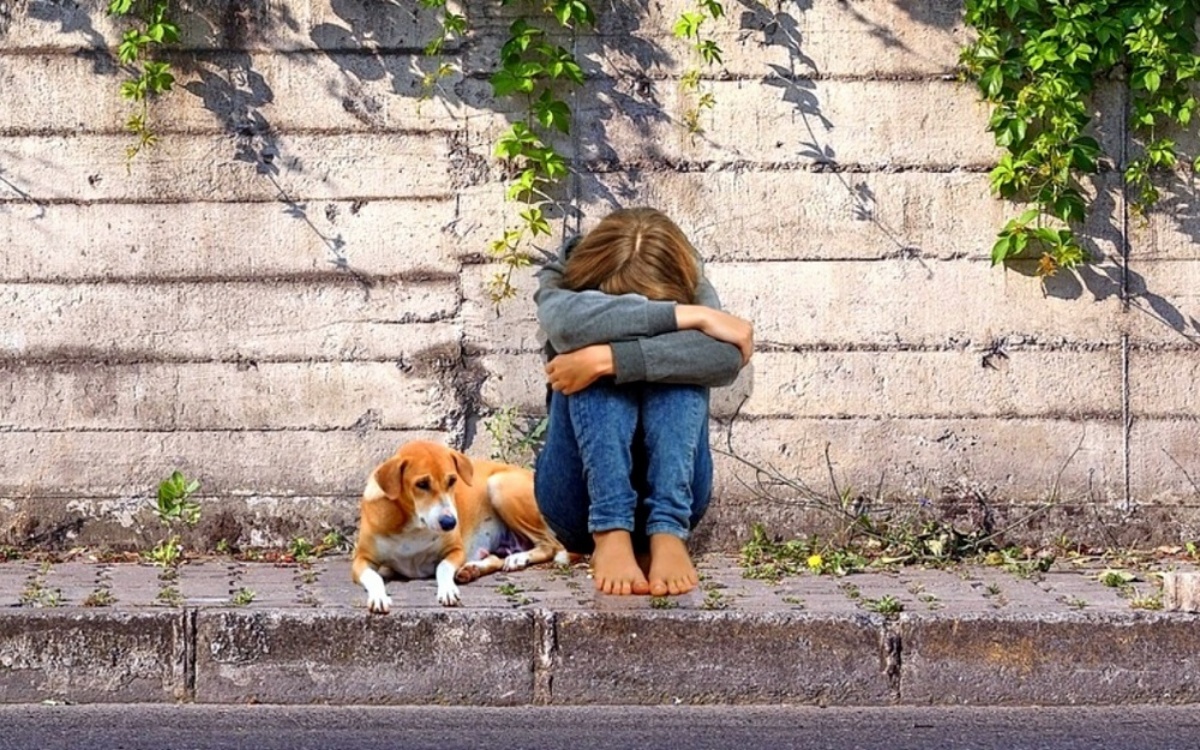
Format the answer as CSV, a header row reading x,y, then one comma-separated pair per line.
x,y
380,603
448,596
377,598
517,561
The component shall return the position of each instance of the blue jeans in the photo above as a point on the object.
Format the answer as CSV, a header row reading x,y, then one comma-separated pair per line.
x,y
632,457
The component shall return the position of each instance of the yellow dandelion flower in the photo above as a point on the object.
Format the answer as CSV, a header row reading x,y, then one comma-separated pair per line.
x,y
815,562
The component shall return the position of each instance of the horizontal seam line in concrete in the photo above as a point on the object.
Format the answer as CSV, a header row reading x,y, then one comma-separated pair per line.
x,y
613,166
949,77
770,347
43,202
348,275
106,358
221,130
1113,416
205,54
593,166
239,494
350,200
91,52
20,430
1050,416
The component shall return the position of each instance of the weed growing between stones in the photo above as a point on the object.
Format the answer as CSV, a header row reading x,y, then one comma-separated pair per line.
x,y
514,594
516,438
174,508
100,597
885,605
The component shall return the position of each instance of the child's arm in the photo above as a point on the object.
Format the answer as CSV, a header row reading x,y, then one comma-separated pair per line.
x,y
626,336
575,319
710,348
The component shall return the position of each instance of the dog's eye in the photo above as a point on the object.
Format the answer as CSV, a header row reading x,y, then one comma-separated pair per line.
x,y
423,485
450,482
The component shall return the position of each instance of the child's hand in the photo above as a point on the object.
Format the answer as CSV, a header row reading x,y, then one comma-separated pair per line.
x,y
720,325
572,372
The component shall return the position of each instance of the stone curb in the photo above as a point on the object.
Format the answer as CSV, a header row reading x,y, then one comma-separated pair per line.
x,y
540,638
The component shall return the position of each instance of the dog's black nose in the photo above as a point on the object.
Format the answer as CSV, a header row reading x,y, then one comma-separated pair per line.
x,y
447,522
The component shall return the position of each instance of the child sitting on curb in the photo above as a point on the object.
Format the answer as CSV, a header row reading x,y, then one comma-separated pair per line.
x,y
635,339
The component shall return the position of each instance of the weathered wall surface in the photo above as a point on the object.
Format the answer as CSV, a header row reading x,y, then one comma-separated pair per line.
x,y
292,283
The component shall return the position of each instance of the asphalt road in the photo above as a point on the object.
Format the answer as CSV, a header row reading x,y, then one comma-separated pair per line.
x,y
189,727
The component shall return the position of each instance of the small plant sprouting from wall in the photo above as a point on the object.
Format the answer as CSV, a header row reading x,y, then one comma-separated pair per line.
x,y
533,70
151,28
1037,63
692,25
452,25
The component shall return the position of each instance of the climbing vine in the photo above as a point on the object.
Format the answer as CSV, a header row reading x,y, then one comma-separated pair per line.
x,y
151,28
1037,62
692,26
534,70
451,25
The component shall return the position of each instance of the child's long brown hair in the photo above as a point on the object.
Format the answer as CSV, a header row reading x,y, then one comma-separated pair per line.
x,y
635,250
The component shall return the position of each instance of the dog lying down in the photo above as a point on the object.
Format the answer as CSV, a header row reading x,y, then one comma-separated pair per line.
x,y
431,511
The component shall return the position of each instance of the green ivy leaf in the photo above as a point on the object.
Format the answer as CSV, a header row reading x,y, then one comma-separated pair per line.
x,y
132,89
523,185
536,221
710,52
509,81
1070,207
1001,249
713,8
552,113
688,25
1151,80
992,81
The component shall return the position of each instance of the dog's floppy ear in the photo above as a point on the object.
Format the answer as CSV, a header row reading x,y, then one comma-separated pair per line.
x,y
389,477
462,464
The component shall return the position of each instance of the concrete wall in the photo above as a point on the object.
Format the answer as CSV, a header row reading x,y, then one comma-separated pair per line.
x,y
293,282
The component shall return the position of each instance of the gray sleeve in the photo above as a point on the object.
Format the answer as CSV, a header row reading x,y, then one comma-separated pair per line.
x,y
575,319
684,357
645,340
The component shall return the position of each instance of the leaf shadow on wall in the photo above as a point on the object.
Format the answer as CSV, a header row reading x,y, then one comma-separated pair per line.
x,y
627,69
236,93
72,18
797,85
1108,277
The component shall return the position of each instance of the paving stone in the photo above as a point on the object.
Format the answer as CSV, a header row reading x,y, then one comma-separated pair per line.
x,y
14,575
206,583
136,584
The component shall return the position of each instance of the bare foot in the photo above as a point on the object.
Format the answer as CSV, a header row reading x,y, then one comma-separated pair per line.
x,y
671,569
614,567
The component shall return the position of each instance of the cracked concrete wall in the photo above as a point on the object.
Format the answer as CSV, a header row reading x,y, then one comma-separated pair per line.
x,y
293,282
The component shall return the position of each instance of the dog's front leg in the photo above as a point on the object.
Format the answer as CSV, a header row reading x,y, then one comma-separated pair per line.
x,y
447,593
369,579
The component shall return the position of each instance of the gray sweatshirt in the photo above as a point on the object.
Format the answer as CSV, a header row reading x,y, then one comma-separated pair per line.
x,y
647,344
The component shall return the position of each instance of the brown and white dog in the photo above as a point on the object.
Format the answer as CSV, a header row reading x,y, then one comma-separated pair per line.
x,y
431,511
